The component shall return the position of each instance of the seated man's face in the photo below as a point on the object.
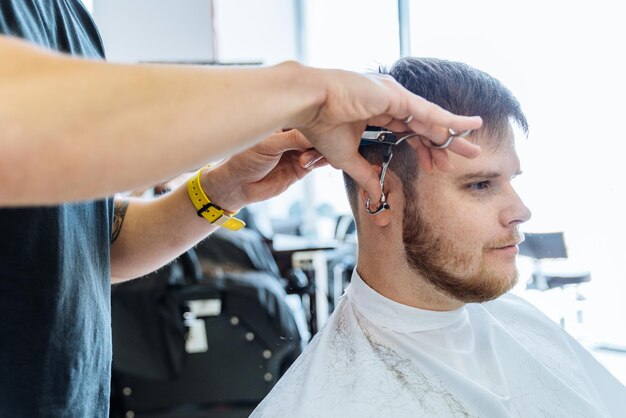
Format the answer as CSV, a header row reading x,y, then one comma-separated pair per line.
x,y
460,231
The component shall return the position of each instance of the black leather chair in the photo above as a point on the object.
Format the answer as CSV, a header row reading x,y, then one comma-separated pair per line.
x,y
551,246
189,345
543,246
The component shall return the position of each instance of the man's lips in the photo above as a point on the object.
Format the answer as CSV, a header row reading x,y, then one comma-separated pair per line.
x,y
512,241
509,244
513,244
510,249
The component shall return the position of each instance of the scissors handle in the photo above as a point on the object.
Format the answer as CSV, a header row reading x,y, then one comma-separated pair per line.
x,y
451,138
387,155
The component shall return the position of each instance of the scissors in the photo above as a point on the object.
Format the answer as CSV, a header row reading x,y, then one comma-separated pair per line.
x,y
376,135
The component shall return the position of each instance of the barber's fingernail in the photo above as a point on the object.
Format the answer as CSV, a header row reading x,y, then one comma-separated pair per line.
x,y
312,160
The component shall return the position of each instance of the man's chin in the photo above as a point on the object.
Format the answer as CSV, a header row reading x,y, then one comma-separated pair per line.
x,y
500,283
508,278
488,285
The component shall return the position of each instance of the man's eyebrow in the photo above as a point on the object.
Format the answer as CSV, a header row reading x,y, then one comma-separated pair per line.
x,y
485,175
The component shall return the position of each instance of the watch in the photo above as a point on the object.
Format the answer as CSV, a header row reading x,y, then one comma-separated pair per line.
x,y
209,210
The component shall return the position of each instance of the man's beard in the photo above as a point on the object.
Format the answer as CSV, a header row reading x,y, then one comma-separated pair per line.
x,y
435,259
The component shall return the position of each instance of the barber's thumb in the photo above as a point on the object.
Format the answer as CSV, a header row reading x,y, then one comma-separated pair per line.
x,y
309,158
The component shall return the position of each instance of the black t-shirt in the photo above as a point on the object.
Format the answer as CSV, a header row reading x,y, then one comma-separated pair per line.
x,y
55,326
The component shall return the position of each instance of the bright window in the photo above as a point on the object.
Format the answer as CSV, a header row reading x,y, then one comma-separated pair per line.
x,y
358,35
564,61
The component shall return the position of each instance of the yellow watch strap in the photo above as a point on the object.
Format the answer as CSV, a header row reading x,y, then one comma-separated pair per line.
x,y
210,211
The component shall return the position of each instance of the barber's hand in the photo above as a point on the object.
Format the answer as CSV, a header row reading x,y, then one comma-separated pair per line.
x,y
261,172
353,101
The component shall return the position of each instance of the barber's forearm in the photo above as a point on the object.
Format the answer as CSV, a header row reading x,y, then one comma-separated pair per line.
x,y
154,232
72,129
147,234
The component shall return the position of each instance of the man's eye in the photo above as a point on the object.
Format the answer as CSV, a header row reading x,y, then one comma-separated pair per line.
x,y
481,185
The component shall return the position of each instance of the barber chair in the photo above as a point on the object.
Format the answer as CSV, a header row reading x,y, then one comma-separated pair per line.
x,y
544,248
247,250
187,344
343,261
345,228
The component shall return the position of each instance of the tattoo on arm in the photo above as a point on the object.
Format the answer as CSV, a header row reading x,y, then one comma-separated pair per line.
x,y
119,213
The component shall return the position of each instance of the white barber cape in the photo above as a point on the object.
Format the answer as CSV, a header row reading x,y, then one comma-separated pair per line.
x,y
378,358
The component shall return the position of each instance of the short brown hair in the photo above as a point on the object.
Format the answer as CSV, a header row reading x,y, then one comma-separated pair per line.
x,y
456,87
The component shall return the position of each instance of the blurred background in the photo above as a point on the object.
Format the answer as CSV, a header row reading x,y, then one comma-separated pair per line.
x,y
562,59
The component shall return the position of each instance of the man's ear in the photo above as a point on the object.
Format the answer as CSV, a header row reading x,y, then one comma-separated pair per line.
x,y
381,219
393,192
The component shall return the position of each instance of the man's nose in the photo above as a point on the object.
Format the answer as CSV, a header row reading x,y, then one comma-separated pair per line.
x,y
515,212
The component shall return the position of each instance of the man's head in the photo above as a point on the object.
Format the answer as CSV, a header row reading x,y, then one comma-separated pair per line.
x,y
459,227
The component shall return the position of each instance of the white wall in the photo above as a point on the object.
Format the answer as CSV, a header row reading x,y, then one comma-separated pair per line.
x,y
181,30
155,30
252,30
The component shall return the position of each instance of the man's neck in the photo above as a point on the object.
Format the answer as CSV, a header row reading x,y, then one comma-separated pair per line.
x,y
392,277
